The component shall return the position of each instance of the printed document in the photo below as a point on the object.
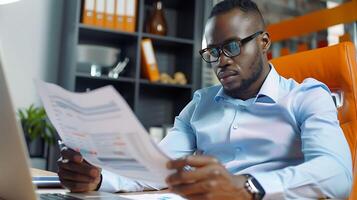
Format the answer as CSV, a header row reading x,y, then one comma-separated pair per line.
x,y
101,126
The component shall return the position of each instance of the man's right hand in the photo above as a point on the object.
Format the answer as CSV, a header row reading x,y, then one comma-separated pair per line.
x,y
75,173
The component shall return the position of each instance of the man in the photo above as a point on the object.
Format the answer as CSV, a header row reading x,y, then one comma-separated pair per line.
x,y
261,135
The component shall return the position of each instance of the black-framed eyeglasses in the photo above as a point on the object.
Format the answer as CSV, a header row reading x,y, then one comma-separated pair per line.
x,y
230,48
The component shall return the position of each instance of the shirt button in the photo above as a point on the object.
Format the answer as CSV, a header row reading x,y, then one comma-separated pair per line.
x,y
235,126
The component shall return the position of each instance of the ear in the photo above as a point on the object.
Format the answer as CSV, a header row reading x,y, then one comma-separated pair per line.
x,y
266,42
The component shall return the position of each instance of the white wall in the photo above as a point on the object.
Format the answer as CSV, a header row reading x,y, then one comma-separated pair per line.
x,y
30,33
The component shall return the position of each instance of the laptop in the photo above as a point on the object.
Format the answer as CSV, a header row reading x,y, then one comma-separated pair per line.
x,y
15,177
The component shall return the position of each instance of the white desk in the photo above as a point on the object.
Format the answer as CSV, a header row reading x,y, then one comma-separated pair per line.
x,y
37,172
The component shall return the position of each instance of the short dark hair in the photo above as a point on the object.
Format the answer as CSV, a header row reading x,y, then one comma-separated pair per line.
x,y
246,6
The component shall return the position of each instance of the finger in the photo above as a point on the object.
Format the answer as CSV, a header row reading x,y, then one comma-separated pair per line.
x,y
62,160
194,161
72,176
74,186
182,177
83,168
71,155
197,188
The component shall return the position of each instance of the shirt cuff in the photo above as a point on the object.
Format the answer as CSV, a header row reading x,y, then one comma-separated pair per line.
x,y
110,182
271,184
114,183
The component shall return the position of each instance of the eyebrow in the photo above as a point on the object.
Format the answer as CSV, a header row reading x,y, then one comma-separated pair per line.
x,y
225,41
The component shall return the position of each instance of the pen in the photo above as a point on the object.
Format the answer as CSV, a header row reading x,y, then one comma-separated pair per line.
x,y
188,168
62,147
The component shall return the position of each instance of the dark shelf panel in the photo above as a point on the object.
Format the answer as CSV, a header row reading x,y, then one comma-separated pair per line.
x,y
157,84
158,106
103,35
174,4
168,40
105,78
97,28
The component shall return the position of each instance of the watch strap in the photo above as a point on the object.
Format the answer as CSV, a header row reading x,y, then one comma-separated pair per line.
x,y
254,187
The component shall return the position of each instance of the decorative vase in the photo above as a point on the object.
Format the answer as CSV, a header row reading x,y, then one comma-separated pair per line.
x,y
157,22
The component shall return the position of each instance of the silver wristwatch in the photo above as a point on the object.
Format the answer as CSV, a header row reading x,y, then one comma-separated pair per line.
x,y
253,187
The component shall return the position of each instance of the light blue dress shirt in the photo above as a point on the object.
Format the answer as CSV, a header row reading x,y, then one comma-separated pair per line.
x,y
288,137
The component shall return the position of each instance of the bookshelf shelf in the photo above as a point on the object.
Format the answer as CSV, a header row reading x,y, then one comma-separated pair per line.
x,y
105,78
169,40
154,103
102,30
158,84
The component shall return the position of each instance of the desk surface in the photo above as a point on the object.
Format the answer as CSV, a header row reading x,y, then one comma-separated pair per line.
x,y
39,172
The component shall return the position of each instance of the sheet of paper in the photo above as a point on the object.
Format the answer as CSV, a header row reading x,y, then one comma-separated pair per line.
x,y
101,126
164,196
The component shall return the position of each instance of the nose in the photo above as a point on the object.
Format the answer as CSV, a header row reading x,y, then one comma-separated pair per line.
x,y
224,61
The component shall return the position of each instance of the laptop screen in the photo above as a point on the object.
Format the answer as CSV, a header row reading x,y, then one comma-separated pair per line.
x,y
15,177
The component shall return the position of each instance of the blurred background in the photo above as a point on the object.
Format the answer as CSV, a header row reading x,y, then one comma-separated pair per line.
x,y
146,49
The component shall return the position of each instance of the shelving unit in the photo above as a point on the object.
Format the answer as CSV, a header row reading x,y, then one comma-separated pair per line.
x,y
155,104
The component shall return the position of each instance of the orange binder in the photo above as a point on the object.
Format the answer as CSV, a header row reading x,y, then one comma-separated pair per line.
x,y
149,64
109,13
130,15
119,15
89,12
100,9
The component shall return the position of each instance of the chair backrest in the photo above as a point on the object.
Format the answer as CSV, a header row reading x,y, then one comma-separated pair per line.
x,y
336,67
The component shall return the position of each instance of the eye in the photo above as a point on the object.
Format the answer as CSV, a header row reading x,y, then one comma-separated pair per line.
x,y
214,52
232,48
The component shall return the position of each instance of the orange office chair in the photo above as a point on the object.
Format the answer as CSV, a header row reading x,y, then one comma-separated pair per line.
x,y
336,67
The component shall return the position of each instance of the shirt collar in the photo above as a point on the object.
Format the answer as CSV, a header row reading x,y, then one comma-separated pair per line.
x,y
269,89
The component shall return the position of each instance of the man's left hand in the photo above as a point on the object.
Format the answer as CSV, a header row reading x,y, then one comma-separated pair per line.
x,y
208,180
